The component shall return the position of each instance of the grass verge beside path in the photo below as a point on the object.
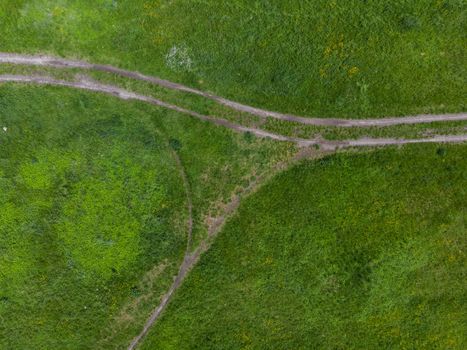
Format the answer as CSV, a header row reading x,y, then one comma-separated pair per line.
x,y
361,250
326,58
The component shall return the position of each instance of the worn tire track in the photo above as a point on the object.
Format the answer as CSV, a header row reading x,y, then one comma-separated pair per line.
x,y
128,95
191,259
47,61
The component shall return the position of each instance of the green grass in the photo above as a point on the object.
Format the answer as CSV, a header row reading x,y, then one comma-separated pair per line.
x,y
348,252
219,163
91,200
321,58
93,223
363,250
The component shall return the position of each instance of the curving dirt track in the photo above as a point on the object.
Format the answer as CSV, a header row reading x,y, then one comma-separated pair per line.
x,y
47,61
190,259
128,95
185,266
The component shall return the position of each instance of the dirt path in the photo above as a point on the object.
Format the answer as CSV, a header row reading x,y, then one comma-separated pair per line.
x,y
47,61
189,202
128,95
216,226
190,259
188,262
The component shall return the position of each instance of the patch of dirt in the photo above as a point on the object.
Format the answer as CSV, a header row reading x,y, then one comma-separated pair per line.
x,y
128,312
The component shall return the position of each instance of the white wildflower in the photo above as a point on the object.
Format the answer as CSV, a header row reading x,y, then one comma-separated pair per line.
x,y
178,58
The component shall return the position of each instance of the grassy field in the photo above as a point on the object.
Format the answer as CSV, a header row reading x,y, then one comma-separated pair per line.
x,y
93,211
347,252
355,250
322,58
91,201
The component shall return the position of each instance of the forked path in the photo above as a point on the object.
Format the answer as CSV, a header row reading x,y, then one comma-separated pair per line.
x,y
190,259
47,61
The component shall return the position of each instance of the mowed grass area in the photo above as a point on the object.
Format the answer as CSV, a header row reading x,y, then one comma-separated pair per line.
x,y
93,222
320,58
352,251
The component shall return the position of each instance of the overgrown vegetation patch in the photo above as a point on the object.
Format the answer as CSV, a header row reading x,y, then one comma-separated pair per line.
x,y
90,202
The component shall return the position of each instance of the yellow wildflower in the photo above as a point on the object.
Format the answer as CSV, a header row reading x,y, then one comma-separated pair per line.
x,y
58,11
352,71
